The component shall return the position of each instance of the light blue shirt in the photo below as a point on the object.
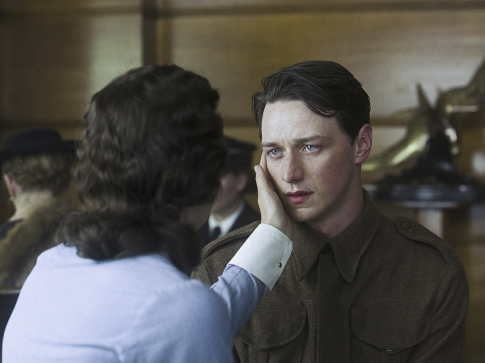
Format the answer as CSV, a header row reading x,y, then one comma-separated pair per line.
x,y
139,309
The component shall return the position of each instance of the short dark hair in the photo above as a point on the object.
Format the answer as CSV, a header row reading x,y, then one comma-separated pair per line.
x,y
326,87
50,171
153,145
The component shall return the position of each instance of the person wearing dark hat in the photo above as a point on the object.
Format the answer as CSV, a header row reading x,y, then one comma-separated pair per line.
x,y
230,210
36,166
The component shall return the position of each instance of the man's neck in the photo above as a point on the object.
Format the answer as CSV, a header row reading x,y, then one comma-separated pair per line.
x,y
338,220
223,214
26,202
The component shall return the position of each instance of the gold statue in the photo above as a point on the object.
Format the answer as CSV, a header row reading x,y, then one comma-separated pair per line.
x,y
426,122
411,146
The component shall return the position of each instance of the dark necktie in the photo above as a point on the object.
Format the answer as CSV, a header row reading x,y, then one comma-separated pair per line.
x,y
216,233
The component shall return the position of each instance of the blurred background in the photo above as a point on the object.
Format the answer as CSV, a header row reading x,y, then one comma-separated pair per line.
x,y
54,54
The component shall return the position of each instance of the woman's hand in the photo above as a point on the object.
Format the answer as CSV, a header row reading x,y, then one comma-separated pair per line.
x,y
272,210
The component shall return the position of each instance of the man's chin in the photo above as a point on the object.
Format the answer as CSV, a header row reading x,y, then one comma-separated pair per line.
x,y
299,215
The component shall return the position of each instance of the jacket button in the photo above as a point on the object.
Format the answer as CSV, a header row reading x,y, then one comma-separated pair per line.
x,y
280,264
405,224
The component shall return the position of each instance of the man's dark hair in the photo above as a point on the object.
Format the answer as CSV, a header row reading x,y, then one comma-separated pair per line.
x,y
327,88
152,146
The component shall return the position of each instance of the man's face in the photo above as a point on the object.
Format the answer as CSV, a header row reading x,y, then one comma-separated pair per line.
x,y
311,162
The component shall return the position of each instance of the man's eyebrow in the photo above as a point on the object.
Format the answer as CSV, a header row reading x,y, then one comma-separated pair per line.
x,y
268,144
299,141
305,140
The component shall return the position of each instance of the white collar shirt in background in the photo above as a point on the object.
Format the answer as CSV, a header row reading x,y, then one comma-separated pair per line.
x,y
226,224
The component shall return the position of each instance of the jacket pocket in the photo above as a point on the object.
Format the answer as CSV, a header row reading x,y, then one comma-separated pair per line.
x,y
387,330
275,330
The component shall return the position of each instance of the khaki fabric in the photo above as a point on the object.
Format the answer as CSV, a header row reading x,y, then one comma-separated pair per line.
x,y
381,291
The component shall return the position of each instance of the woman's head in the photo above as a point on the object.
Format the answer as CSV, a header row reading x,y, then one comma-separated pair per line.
x,y
152,150
153,143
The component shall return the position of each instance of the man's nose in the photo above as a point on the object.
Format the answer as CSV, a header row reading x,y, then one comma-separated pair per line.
x,y
292,169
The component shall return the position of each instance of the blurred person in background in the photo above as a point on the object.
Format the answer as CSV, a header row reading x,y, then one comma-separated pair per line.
x,y
230,210
36,167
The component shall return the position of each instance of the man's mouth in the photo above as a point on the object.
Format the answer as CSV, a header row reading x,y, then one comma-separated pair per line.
x,y
298,197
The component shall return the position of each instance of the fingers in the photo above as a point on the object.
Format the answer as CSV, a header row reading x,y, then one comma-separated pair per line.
x,y
262,161
261,175
266,193
272,211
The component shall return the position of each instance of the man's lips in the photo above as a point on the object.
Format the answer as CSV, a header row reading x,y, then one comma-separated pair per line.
x,y
298,197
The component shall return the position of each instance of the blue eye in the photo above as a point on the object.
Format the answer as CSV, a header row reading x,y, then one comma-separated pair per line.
x,y
310,147
273,152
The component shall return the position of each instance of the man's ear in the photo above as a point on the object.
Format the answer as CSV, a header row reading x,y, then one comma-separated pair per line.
x,y
11,184
363,144
242,181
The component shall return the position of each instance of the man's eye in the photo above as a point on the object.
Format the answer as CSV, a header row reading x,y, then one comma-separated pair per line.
x,y
273,152
310,147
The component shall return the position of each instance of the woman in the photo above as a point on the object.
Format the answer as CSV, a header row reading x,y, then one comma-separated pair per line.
x,y
117,288
36,167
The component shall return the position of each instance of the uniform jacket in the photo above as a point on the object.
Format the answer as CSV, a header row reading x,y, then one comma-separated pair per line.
x,y
381,291
26,240
247,216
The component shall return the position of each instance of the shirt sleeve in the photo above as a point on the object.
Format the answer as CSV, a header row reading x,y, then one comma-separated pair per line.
x,y
258,264
264,254
241,292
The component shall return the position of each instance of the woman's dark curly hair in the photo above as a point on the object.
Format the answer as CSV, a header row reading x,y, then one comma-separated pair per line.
x,y
326,87
153,145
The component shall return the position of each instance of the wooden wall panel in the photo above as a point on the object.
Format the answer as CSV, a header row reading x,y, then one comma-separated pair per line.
x,y
390,52
299,5
52,65
51,7
55,55
45,70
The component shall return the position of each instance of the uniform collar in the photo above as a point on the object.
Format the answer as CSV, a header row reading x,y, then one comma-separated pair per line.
x,y
348,247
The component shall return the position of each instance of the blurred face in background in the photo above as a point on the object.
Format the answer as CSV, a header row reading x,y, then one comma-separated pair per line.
x,y
229,196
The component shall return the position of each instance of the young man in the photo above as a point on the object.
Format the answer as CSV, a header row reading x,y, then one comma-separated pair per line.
x,y
230,211
358,286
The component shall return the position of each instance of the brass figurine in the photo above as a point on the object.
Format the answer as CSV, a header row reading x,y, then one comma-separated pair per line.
x,y
451,107
425,157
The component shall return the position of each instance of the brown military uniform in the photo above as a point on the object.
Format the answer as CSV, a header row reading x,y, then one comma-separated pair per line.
x,y
381,291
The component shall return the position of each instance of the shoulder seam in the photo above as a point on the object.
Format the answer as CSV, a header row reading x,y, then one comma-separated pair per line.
x,y
424,235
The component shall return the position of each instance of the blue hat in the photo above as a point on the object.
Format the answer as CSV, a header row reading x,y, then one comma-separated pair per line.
x,y
35,141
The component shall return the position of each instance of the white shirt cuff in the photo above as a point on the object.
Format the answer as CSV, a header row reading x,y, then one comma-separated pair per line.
x,y
264,254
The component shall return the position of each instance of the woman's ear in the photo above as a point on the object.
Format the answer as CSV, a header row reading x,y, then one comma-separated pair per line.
x,y
363,144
